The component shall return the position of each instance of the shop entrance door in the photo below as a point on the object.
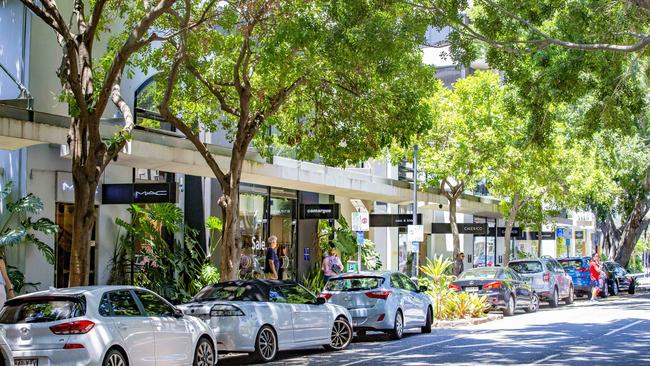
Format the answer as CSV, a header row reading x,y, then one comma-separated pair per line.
x,y
64,218
283,226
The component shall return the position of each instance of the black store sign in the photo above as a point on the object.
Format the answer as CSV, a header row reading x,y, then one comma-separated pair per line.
x,y
476,229
516,232
388,220
329,211
116,194
546,235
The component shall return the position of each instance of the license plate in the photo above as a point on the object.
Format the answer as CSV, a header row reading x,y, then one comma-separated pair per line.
x,y
26,362
471,289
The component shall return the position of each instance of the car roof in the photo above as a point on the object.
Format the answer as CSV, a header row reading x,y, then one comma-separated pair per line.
x,y
74,291
381,273
527,260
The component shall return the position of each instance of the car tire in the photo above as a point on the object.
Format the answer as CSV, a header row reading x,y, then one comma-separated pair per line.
x,y
398,326
341,335
632,289
266,345
429,322
534,304
604,292
509,310
115,357
204,354
554,301
569,300
615,289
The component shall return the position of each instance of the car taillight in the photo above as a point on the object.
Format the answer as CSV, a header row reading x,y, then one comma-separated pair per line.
x,y
73,346
491,285
381,294
547,277
454,287
76,327
326,295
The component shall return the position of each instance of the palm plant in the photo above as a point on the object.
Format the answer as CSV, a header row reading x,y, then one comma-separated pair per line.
x,y
17,226
438,277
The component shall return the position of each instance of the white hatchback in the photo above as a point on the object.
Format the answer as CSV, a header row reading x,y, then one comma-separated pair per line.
x,y
103,325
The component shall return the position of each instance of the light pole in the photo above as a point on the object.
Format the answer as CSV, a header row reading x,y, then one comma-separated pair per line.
x,y
415,209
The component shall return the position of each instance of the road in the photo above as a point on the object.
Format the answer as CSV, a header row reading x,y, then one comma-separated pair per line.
x,y
615,331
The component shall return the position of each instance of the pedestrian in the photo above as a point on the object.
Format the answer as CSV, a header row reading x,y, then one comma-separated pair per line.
x,y
459,264
594,274
331,265
5,283
284,261
272,266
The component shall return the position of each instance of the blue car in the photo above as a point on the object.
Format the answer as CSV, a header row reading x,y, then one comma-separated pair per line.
x,y
578,269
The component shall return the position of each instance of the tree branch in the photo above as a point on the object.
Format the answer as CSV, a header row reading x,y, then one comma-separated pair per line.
x,y
93,23
223,104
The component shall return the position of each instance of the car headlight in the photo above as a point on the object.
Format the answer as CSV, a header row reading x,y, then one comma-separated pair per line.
x,y
225,310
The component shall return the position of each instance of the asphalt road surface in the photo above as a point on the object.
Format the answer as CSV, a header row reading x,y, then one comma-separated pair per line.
x,y
615,331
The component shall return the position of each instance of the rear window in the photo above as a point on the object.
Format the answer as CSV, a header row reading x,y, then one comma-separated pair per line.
x,y
526,267
43,310
478,273
244,292
571,263
354,283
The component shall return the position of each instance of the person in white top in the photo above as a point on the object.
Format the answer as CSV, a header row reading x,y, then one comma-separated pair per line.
x,y
331,264
5,283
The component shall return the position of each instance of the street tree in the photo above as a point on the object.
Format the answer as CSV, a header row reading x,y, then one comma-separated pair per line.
x,y
471,131
90,80
334,79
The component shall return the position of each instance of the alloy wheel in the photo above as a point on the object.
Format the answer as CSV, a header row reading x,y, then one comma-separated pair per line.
x,y
399,325
267,344
341,334
116,359
534,304
204,354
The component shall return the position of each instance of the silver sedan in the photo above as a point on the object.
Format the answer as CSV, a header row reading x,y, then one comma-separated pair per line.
x,y
103,325
381,300
262,317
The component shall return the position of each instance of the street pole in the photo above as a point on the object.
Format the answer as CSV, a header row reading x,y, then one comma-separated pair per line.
x,y
415,207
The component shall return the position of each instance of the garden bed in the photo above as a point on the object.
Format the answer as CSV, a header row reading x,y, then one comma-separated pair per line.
x,y
465,322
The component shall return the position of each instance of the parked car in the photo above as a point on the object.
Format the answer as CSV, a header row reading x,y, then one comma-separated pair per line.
x,y
642,281
261,317
504,288
547,277
381,301
6,358
578,269
618,279
103,325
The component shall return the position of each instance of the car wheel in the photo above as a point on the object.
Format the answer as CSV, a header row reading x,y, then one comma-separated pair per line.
x,y
554,301
632,288
266,345
571,297
427,326
398,329
341,335
604,292
615,289
204,354
510,307
115,358
534,304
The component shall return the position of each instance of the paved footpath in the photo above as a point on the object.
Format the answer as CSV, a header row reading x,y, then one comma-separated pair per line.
x,y
615,331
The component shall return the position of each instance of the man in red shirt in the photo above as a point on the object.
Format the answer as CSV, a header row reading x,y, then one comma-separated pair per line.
x,y
594,274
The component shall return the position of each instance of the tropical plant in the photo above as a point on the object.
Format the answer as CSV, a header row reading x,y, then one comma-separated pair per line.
x,y
17,279
369,256
17,226
437,277
314,281
215,227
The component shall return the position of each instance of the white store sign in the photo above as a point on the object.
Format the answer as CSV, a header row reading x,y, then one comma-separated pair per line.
x,y
65,189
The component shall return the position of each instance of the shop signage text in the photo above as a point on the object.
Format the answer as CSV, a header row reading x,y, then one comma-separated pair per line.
x,y
476,229
115,194
65,188
390,220
318,211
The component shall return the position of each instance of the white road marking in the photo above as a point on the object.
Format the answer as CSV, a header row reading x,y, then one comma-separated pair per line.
x,y
544,359
403,350
623,328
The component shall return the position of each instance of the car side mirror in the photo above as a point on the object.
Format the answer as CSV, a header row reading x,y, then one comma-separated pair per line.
x,y
423,289
320,300
178,313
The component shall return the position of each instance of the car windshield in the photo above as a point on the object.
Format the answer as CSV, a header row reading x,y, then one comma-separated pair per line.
x,y
42,310
229,292
478,273
356,283
571,263
526,267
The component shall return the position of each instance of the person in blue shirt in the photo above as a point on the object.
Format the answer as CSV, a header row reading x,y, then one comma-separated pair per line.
x,y
272,261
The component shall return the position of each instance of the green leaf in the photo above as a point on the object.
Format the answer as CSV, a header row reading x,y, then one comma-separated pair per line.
x,y
214,223
28,204
43,225
6,190
45,249
13,237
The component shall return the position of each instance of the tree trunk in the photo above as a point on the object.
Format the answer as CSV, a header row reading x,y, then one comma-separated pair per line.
x,y
632,231
539,241
510,222
83,224
232,241
454,225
